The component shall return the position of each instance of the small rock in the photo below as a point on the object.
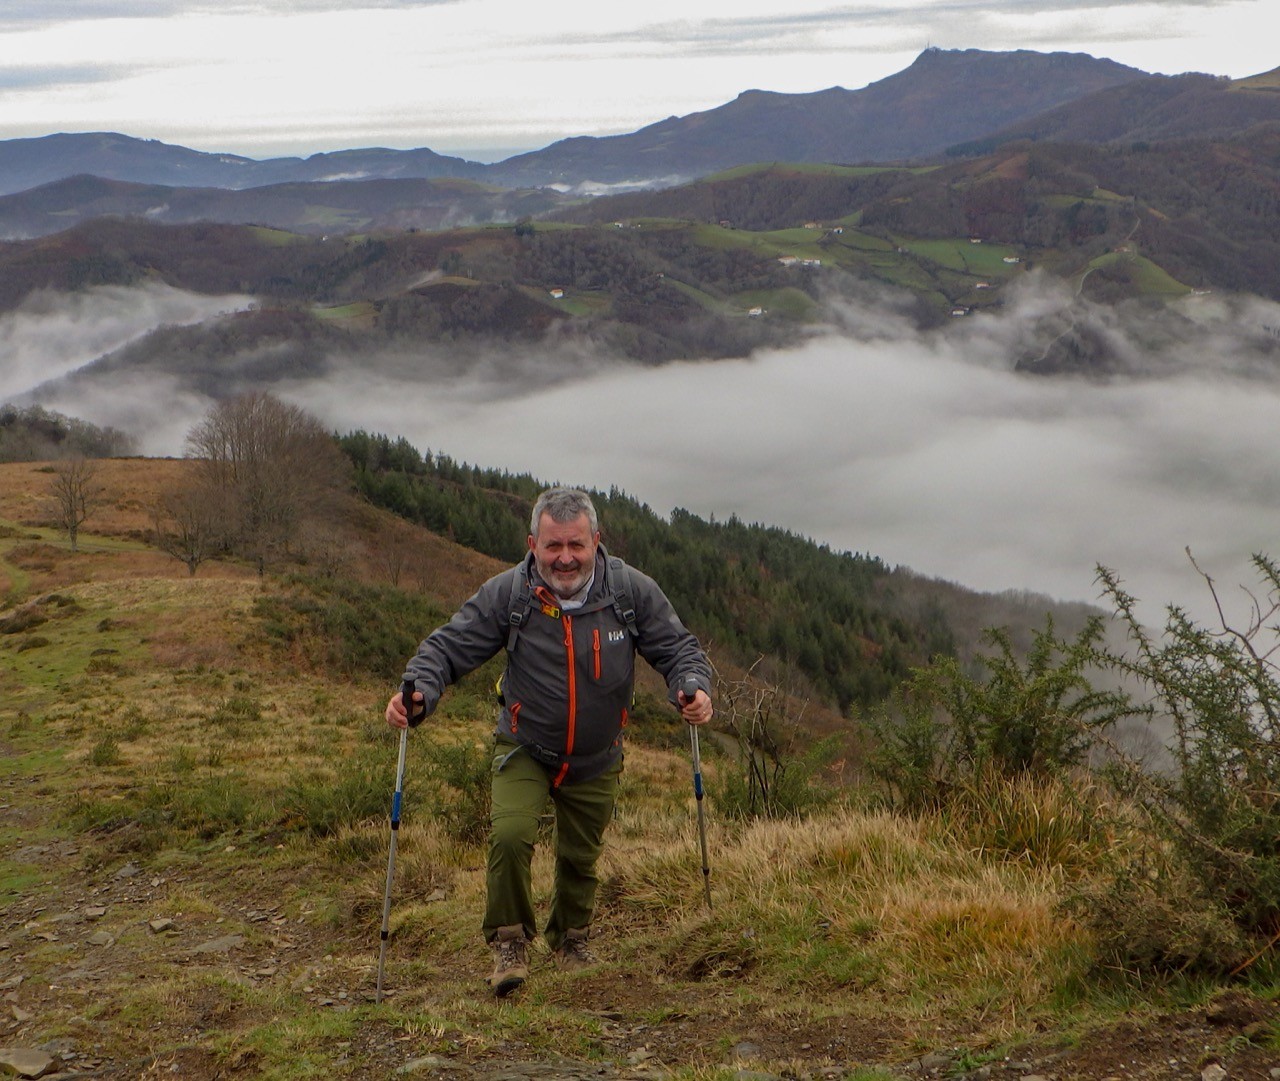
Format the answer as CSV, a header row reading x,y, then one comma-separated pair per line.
x,y
128,871
27,1062
1275,1073
221,945
101,938
162,924
744,1050
20,1015
935,1062
95,912
427,1062
1213,1072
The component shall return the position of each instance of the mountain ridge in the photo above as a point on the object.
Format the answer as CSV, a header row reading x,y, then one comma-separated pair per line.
x,y
949,96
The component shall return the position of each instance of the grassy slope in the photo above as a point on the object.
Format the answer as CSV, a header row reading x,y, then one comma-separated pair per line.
x,y
162,762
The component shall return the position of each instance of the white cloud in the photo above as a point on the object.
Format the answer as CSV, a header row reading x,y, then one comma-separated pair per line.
x,y
51,335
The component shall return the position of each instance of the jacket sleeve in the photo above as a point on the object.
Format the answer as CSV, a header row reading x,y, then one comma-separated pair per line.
x,y
664,641
477,631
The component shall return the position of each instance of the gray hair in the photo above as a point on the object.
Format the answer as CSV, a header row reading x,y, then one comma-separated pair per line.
x,y
564,505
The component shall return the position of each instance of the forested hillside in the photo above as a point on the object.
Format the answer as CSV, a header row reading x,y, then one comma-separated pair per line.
x,y
838,618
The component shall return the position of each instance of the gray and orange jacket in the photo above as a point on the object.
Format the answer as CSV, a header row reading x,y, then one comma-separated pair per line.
x,y
568,683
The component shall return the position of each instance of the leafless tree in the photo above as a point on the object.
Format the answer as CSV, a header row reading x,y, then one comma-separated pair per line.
x,y
393,554
189,524
75,494
275,461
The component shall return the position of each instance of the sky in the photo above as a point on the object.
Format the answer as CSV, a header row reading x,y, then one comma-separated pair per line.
x,y
485,78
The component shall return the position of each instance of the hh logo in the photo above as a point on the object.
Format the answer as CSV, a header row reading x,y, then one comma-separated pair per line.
x,y
617,636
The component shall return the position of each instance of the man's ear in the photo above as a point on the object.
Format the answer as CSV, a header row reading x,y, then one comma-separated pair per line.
x,y
533,544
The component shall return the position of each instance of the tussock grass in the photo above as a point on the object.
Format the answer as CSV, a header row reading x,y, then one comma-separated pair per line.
x,y
1049,821
856,900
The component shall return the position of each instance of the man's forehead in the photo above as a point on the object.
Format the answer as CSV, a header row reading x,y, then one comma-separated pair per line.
x,y
548,527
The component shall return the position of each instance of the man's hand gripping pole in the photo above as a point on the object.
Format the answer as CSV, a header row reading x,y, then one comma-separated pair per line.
x,y
406,695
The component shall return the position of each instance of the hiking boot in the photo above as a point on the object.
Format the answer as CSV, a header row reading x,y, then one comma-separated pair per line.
x,y
573,952
511,960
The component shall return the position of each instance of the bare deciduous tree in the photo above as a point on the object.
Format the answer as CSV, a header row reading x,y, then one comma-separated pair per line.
x,y
276,462
75,493
189,524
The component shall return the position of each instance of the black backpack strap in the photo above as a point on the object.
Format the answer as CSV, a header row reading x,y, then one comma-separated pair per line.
x,y
518,604
620,585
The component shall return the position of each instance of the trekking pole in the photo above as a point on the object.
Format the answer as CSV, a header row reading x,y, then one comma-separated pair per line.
x,y
689,689
406,694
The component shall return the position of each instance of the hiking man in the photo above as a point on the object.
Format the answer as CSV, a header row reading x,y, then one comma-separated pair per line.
x,y
571,618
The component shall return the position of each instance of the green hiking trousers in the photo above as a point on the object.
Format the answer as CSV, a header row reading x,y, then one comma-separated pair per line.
x,y
521,788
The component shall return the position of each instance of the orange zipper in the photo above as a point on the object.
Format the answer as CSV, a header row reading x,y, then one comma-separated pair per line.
x,y
595,648
515,717
573,684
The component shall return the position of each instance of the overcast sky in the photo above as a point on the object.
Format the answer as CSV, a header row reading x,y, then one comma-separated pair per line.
x,y
268,77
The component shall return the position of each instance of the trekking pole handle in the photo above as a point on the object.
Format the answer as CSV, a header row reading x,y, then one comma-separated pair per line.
x,y
689,687
407,689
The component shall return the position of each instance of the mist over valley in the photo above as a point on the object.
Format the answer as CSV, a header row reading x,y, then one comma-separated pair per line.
x,y
927,448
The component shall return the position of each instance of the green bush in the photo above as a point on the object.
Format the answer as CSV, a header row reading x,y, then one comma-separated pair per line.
x,y
106,752
461,770
767,778
321,804
1218,809
1036,717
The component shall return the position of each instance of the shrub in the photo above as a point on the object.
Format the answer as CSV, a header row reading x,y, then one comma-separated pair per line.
x,y
944,728
462,769
766,780
1218,809
322,805
106,752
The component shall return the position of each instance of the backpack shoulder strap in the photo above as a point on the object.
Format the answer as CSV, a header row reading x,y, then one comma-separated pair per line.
x,y
518,603
623,603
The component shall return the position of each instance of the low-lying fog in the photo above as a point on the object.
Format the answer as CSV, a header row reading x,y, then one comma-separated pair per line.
x,y
927,450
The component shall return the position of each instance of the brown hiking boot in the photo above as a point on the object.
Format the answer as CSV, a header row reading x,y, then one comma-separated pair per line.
x,y
573,952
511,960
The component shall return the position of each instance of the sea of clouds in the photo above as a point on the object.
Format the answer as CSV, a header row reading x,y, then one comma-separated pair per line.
x,y
929,449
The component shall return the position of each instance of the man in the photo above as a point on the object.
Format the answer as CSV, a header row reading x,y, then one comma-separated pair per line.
x,y
572,619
